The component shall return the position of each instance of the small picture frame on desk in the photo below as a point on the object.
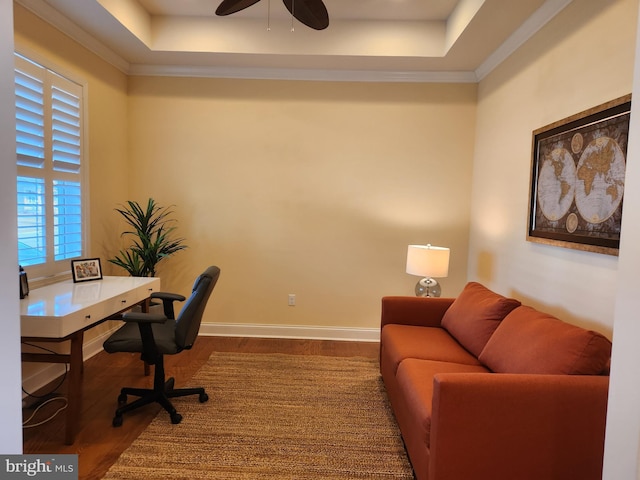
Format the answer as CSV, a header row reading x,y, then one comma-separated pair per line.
x,y
86,269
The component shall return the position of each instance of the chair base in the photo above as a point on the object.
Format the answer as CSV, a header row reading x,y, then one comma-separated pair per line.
x,y
161,393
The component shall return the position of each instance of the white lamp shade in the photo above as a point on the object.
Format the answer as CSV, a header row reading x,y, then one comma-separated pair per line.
x,y
428,261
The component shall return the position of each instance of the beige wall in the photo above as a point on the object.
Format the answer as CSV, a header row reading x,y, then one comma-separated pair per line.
x,y
583,58
316,188
307,188
310,188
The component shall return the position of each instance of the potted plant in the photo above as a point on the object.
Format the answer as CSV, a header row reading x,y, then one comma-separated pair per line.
x,y
151,238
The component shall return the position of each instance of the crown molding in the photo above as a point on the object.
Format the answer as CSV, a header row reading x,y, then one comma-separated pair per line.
x,y
528,29
66,26
303,74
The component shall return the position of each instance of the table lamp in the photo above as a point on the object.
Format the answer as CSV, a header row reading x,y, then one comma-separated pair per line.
x,y
428,262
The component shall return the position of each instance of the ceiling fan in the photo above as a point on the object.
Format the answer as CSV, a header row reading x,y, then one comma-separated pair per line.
x,y
312,13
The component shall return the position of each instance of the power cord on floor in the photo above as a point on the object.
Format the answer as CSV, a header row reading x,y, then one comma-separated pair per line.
x,y
47,398
51,417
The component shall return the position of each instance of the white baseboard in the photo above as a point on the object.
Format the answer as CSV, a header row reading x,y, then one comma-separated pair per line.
x,y
290,331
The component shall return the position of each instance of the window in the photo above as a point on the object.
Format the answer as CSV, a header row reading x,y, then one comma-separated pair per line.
x,y
50,186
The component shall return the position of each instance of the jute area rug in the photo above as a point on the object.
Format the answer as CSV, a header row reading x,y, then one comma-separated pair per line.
x,y
273,416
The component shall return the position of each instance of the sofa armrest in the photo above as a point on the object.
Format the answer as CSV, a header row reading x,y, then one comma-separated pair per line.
x,y
507,426
420,311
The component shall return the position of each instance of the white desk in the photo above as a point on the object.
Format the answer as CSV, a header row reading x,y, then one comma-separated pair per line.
x,y
63,311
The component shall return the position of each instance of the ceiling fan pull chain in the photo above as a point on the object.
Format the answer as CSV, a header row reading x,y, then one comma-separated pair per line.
x,y
268,15
293,9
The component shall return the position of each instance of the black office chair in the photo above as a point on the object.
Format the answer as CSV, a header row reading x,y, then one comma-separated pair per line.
x,y
155,335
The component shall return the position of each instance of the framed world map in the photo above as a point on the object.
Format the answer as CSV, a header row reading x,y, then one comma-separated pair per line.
x,y
577,179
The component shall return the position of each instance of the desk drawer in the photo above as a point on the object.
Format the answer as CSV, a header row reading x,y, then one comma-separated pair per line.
x,y
118,303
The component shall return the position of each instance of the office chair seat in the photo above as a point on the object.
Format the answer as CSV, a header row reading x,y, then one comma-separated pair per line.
x,y
127,338
155,335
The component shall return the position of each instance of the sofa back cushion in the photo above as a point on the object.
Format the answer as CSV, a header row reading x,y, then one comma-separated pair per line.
x,y
529,341
475,314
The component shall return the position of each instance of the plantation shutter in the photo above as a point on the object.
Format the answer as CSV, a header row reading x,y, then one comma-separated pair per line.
x,y
66,149
49,158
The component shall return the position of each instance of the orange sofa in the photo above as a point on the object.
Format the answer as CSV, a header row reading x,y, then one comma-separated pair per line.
x,y
483,387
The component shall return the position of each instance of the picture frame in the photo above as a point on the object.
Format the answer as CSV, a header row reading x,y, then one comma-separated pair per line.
x,y
86,269
577,179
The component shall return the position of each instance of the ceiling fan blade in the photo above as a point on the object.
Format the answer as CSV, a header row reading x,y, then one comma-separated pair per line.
x,y
312,13
227,7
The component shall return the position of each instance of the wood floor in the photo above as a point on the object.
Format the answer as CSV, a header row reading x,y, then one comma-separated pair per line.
x,y
99,444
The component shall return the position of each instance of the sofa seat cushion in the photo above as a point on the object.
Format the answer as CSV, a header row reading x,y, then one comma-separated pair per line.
x,y
427,343
475,314
415,384
530,341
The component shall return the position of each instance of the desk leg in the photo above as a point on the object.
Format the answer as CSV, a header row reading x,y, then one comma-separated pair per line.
x,y
74,394
146,305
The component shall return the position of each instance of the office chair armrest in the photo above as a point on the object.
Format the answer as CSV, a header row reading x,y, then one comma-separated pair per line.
x,y
167,302
174,297
140,317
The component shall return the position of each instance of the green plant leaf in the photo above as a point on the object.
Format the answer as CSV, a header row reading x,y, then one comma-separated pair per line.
x,y
151,238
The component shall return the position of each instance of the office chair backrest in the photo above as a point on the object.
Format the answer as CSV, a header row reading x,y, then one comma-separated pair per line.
x,y
188,322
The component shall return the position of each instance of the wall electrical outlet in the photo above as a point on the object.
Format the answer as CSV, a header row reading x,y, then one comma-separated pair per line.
x,y
292,300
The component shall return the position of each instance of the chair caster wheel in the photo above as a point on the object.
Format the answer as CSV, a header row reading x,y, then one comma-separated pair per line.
x,y
122,399
176,418
203,397
117,421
